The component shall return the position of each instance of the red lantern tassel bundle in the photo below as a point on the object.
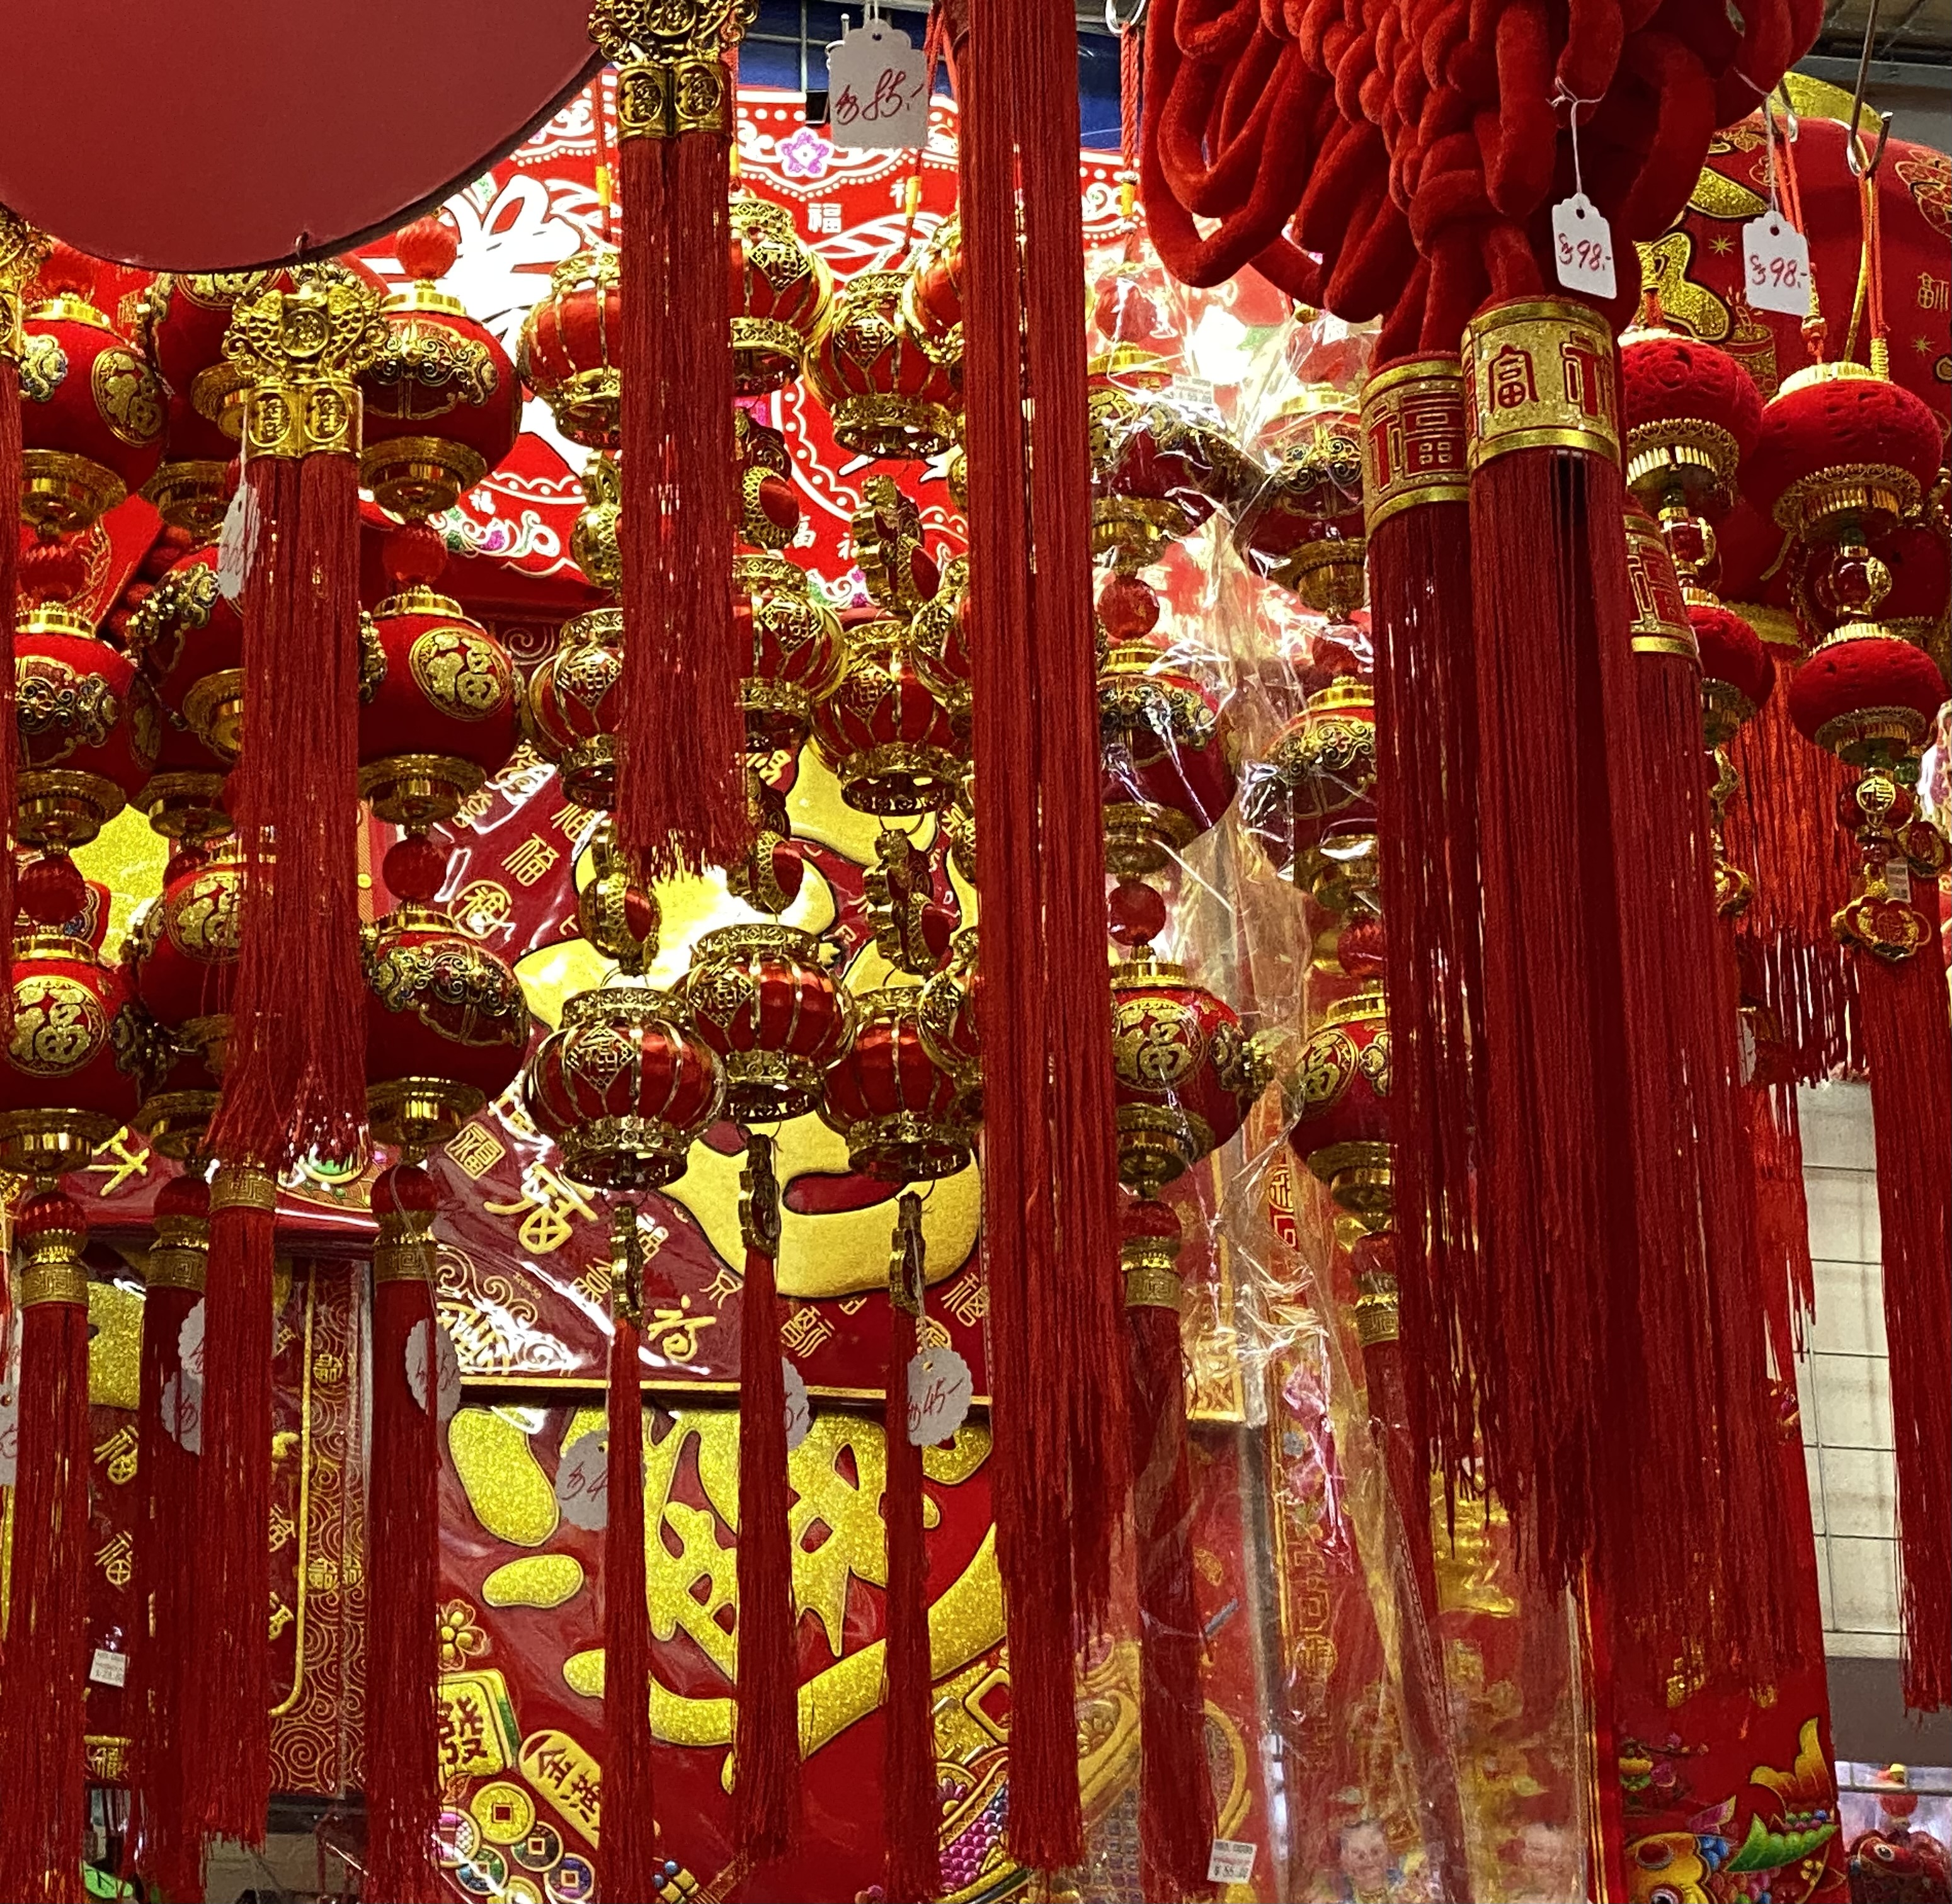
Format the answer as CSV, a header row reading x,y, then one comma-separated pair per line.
x,y
914,1815
294,1079
681,787
629,1815
1417,525
163,1844
43,1667
1176,1816
766,1745
402,1748
22,250
1048,1141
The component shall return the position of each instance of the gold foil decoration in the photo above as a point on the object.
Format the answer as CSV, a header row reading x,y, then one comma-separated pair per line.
x,y
1543,376
506,1488
544,1581
1413,438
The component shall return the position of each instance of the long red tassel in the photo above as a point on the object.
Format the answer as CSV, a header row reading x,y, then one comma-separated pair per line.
x,y
163,1843
1176,1810
1046,1823
230,1689
766,1745
402,1748
1782,1219
913,1825
1419,561
43,1667
681,787
629,1815
1906,1036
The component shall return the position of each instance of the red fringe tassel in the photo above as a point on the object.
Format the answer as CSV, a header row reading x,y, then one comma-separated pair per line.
x,y
766,1746
1781,1220
913,1814
1910,1049
42,1683
630,1817
681,785
230,1703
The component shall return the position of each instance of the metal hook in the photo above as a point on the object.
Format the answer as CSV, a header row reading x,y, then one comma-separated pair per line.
x,y
1792,125
1121,16
1861,167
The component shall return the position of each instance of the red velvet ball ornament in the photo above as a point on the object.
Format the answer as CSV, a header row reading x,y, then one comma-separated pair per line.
x,y
1128,608
199,473
897,1107
64,1086
50,889
1920,580
186,947
414,868
567,356
1731,651
1834,417
1845,682
1666,378
780,287
1136,912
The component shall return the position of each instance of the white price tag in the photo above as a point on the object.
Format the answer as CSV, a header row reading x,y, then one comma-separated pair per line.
x,y
10,1433
939,1386
446,1372
1230,1861
1195,396
189,1342
800,1410
582,1482
182,1411
109,1668
1775,265
1897,880
1582,246
877,89
237,542
1745,1031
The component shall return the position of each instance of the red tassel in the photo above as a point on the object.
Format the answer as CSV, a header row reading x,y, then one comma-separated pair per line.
x,y
230,1702
630,1818
1780,831
1419,556
913,1812
44,1665
1782,1219
766,1747
681,785
163,1843
294,1080
402,1748
1906,1036
1176,1810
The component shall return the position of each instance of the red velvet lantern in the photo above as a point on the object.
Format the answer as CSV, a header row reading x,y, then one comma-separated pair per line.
x,y
446,1026
184,315
780,287
1300,523
188,637
1156,471
1691,412
199,473
900,1109
1169,757
572,718
761,997
91,410
568,352
1338,1100
437,714
895,746
625,1086
442,404
1186,1073
69,1082
1737,673
887,396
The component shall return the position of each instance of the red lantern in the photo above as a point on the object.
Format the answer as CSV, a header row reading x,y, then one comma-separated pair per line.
x,y
895,747
946,1017
568,356
69,1083
199,473
626,1086
901,1112
761,997
442,404
796,651
780,287
571,716
1339,1102
1169,764
1301,523
932,297
887,396
1323,767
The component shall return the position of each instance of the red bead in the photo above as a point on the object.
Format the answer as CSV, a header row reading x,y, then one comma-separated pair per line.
x,y
1361,949
415,867
427,248
51,891
1137,913
415,553
1148,1216
1128,607
53,571
183,1196
404,1188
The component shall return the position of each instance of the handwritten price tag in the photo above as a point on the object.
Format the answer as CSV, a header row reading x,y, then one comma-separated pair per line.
x,y
1230,1861
181,1401
800,1409
877,89
10,1433
189,1342
1582,246
237,542
940,1387
1775,265
421,1338
582,1482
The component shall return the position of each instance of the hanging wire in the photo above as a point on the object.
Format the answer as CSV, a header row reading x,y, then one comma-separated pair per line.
x,y
931,50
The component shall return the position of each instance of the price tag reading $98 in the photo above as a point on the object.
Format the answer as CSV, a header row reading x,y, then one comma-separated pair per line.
x,y
1775,265
1582,246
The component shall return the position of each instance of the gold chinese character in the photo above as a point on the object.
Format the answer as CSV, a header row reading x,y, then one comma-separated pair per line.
x,y
283,1528
724,1285
118,1453
675,1333
116,1557
547,1206
477,1150
570,820
474,808
804,1331
328,1366
281,1617
531,860
322,1574
481,906
123,1156
525,774
968,1299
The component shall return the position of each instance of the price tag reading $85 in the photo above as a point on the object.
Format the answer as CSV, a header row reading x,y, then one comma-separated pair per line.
x,y
1582,246
1775,265
582,1482
940,1387
877,89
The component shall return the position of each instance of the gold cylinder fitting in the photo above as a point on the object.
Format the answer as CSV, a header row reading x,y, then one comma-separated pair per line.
x,y
1415,432
243,1186
1544,375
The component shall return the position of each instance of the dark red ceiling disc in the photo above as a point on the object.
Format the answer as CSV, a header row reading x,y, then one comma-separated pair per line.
x,y
215,135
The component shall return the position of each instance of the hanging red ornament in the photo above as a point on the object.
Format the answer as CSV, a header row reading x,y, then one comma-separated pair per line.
x,y
888,394
781,286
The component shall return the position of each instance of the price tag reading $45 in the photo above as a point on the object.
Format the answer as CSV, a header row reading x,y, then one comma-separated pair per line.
x,y
939,1386
877,89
